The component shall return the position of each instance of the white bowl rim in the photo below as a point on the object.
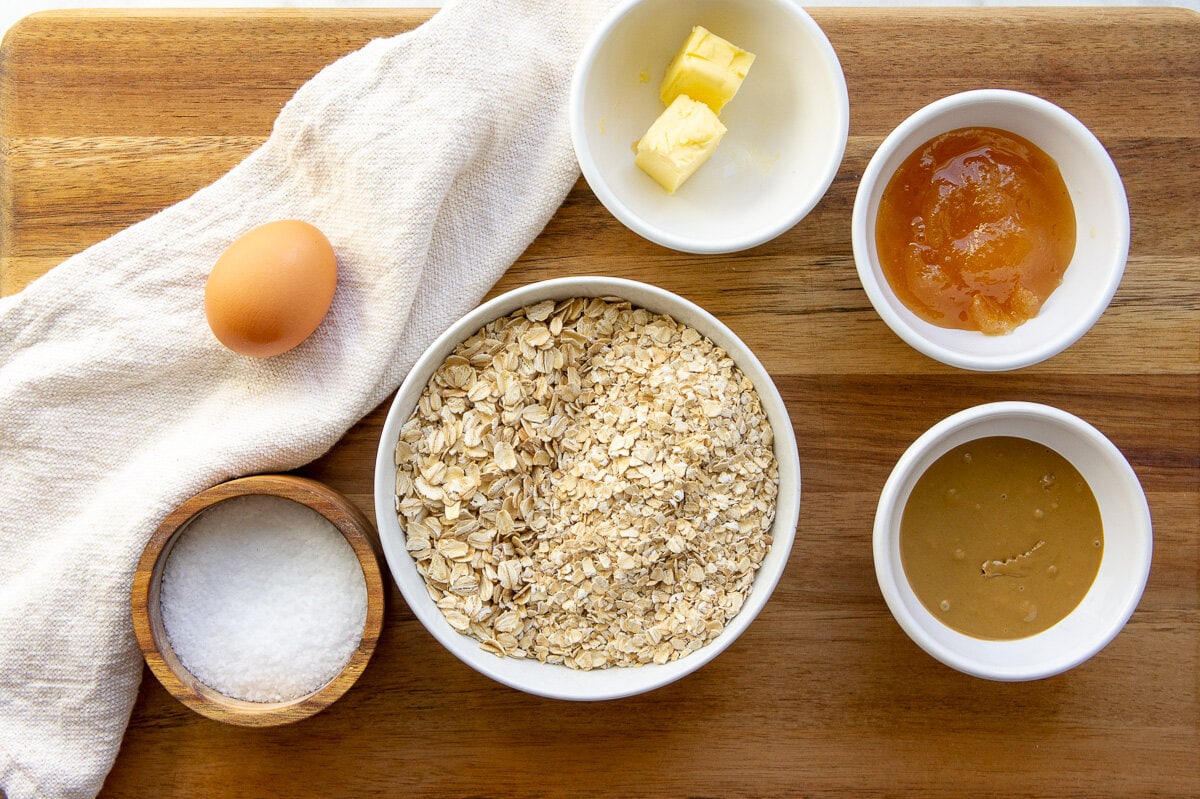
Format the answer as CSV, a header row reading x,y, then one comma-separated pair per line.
x,y
886,566
783,529
772,228
878,293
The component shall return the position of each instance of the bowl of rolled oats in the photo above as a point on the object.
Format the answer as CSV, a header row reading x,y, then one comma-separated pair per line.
x,y
587,488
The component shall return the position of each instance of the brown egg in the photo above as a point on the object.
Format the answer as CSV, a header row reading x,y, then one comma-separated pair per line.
x,y
271,288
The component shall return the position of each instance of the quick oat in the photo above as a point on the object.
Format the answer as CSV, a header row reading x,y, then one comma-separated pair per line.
x,y
588,483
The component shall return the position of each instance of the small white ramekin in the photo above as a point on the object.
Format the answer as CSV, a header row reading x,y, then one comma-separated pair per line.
x,y
787,125
1101,222
1124,566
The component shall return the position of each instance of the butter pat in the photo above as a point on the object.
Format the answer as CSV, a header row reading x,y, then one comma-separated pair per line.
x,y
679,141
707,68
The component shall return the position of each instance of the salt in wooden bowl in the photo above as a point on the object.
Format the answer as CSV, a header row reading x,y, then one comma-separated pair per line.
x,y
151,632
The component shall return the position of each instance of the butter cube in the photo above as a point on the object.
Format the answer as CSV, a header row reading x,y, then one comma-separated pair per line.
x,y
679,141
707,68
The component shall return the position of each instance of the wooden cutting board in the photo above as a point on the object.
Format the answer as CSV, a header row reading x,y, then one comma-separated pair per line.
x,y
109,116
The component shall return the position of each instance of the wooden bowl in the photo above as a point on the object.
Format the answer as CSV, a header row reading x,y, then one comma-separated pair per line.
x,y
152,636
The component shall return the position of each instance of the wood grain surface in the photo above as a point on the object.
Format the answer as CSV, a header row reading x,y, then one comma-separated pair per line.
x,y
108,117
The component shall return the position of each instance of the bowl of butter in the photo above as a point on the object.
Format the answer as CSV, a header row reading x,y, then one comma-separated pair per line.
x,y
710,126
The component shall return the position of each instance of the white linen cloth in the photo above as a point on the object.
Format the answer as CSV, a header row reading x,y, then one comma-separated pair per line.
x,y
430,160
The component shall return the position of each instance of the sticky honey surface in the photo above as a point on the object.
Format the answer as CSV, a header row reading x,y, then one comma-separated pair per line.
x,y
975,230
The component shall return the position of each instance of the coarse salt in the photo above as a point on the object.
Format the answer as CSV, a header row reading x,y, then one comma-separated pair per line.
x,y
263,599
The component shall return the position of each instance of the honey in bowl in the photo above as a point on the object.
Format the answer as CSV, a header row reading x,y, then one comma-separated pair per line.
x,y
975,230
1001,538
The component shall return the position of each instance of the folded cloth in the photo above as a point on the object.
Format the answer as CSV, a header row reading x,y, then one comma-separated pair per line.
x,y
430,160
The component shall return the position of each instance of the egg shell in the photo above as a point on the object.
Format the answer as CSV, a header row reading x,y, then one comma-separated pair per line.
x,y
271,288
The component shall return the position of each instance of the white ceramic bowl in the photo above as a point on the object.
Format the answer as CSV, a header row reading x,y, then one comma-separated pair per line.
x,y
787,125
561,682
1124,565
1101,217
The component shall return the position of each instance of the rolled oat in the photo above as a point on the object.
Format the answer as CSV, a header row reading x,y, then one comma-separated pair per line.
x,y
588,483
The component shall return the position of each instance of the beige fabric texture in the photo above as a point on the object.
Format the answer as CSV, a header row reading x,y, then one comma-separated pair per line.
x,y
431,160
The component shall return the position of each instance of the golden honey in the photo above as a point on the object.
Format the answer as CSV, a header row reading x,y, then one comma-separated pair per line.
x,y
975,230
